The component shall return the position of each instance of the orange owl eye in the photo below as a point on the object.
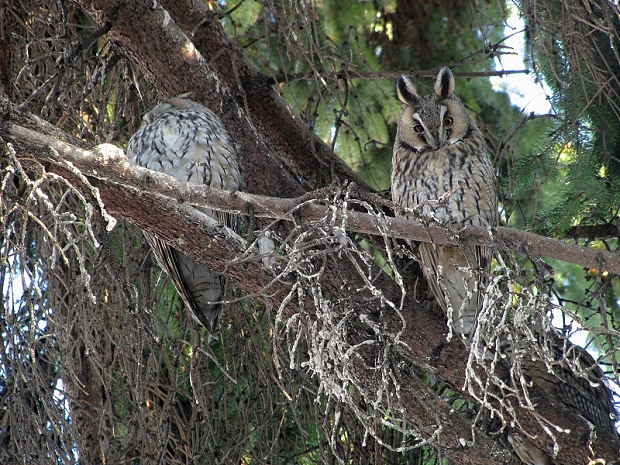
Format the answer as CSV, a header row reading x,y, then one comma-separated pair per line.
x,y
447,121
418,128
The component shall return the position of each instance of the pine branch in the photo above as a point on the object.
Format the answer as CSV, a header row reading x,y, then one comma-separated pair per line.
x,y
389,75
138,195
276,208
601,231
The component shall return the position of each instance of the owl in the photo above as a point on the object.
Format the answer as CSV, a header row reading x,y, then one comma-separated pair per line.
x,y
186,140
574,379
439,150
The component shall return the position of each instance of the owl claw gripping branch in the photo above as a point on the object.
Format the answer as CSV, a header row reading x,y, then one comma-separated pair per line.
x,y
439,149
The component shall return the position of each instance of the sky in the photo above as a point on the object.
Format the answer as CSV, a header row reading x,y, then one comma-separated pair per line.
x,y
523,90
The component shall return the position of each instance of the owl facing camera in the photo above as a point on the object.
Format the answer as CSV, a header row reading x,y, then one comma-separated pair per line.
x,y
439,152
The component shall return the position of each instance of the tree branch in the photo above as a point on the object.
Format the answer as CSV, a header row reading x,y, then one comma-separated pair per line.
x,y
390,74
90,163
137,195
601,231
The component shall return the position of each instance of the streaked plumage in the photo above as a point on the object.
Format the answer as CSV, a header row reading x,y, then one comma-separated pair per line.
x,y
526,451
186,140
574,379
438,146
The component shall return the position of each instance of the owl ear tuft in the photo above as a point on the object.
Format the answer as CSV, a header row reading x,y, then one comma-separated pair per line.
x,y
444,84
185,95
406,91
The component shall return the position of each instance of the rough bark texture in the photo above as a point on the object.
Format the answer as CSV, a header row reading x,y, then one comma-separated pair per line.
x,y
303,152
425,334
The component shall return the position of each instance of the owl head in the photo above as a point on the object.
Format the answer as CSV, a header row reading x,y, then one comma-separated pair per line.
x,y
436,120
178,102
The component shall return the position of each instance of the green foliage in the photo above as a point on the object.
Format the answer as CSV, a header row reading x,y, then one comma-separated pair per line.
x,y
326,55
583,77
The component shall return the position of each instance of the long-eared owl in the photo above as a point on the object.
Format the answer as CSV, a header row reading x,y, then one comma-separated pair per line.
x,y
186,140
439,151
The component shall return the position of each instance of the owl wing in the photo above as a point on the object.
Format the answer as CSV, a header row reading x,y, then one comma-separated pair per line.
x,y
200,287
577,381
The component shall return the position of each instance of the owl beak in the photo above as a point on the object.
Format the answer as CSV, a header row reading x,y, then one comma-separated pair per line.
x,y
437,139
434,141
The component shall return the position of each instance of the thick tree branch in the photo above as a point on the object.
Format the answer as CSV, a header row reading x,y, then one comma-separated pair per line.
x,y
303,152
275,208
129,192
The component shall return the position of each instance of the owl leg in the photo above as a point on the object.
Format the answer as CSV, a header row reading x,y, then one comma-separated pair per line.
x,y
460,287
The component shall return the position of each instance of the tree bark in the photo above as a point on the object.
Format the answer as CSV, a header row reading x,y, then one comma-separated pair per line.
x,y
305,155
425,333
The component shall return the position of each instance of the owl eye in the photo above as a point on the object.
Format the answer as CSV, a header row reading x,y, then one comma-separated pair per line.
x,y
418,128
447,121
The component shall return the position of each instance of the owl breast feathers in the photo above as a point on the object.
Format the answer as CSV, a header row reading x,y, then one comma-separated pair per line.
x,y
439,150
186,140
